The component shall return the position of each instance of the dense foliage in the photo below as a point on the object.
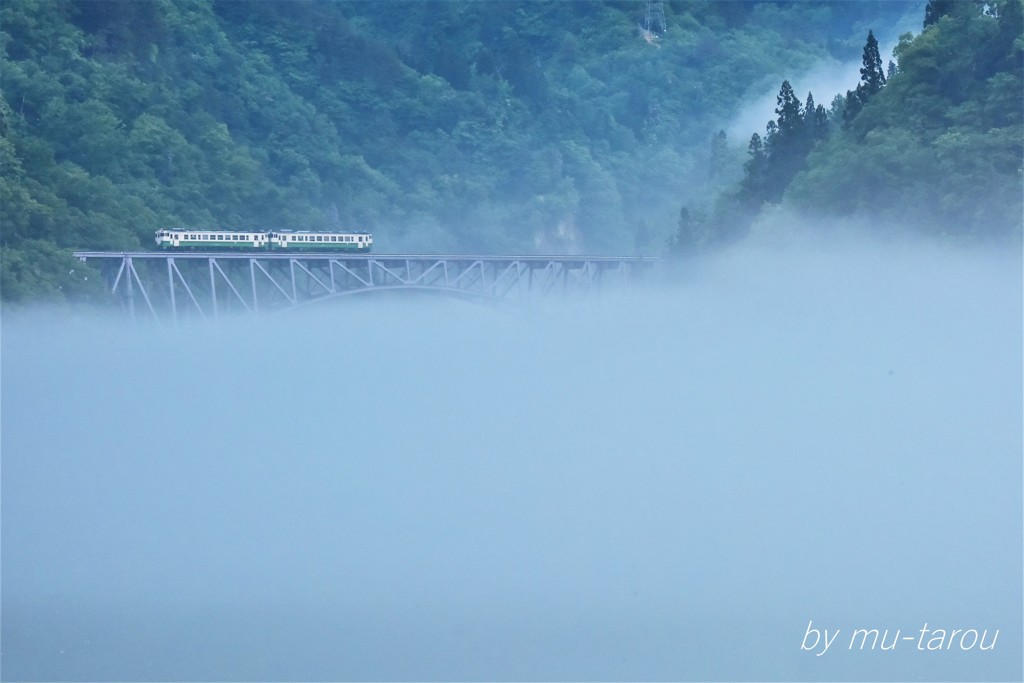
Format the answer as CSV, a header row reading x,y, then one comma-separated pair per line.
x,y
511,126
941,145
933,145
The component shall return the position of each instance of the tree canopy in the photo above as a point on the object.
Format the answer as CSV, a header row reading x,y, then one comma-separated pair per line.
x,y
935,147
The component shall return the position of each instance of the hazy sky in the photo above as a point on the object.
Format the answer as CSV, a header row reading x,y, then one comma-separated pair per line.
x,y
663,486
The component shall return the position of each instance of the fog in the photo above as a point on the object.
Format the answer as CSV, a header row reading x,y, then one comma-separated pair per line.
x,y
672,483
825,80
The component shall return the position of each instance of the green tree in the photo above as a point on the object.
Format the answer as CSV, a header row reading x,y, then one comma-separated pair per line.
x,y
754,187
872,76
872,80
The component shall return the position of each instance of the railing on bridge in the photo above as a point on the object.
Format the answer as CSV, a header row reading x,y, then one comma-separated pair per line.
x,y
212,284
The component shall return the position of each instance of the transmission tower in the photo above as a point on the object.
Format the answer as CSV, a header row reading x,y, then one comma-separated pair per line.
x,y
654,17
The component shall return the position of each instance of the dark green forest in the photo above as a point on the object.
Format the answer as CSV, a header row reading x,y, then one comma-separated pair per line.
x,y
516,126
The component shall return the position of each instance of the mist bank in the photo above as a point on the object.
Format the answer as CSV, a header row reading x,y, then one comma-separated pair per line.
x,y
665,484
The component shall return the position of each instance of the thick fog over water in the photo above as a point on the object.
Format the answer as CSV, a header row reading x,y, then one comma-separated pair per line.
x,y
691,482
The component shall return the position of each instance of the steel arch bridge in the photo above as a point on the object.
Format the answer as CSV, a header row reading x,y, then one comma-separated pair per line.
x,y
171,284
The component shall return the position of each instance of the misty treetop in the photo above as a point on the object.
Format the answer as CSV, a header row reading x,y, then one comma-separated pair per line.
x,y
934,143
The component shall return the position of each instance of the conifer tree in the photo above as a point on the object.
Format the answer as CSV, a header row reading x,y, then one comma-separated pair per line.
x,y
815,122
871,74
691,234
872,79
755,168
852,104
790,114
820,122
719,156
771,140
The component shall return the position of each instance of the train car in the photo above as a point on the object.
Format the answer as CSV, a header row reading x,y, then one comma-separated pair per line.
x,y
278,240
212,239
308,240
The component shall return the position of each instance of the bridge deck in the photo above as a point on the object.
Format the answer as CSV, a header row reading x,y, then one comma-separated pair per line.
x,y
83,255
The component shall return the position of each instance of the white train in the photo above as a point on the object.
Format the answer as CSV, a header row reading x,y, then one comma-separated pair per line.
x,y
259,240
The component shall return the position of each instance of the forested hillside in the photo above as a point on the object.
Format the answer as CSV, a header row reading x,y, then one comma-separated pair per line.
x,y
940,147
931,143
511,126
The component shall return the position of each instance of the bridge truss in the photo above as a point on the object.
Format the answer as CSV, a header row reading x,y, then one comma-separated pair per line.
x,y
162,284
